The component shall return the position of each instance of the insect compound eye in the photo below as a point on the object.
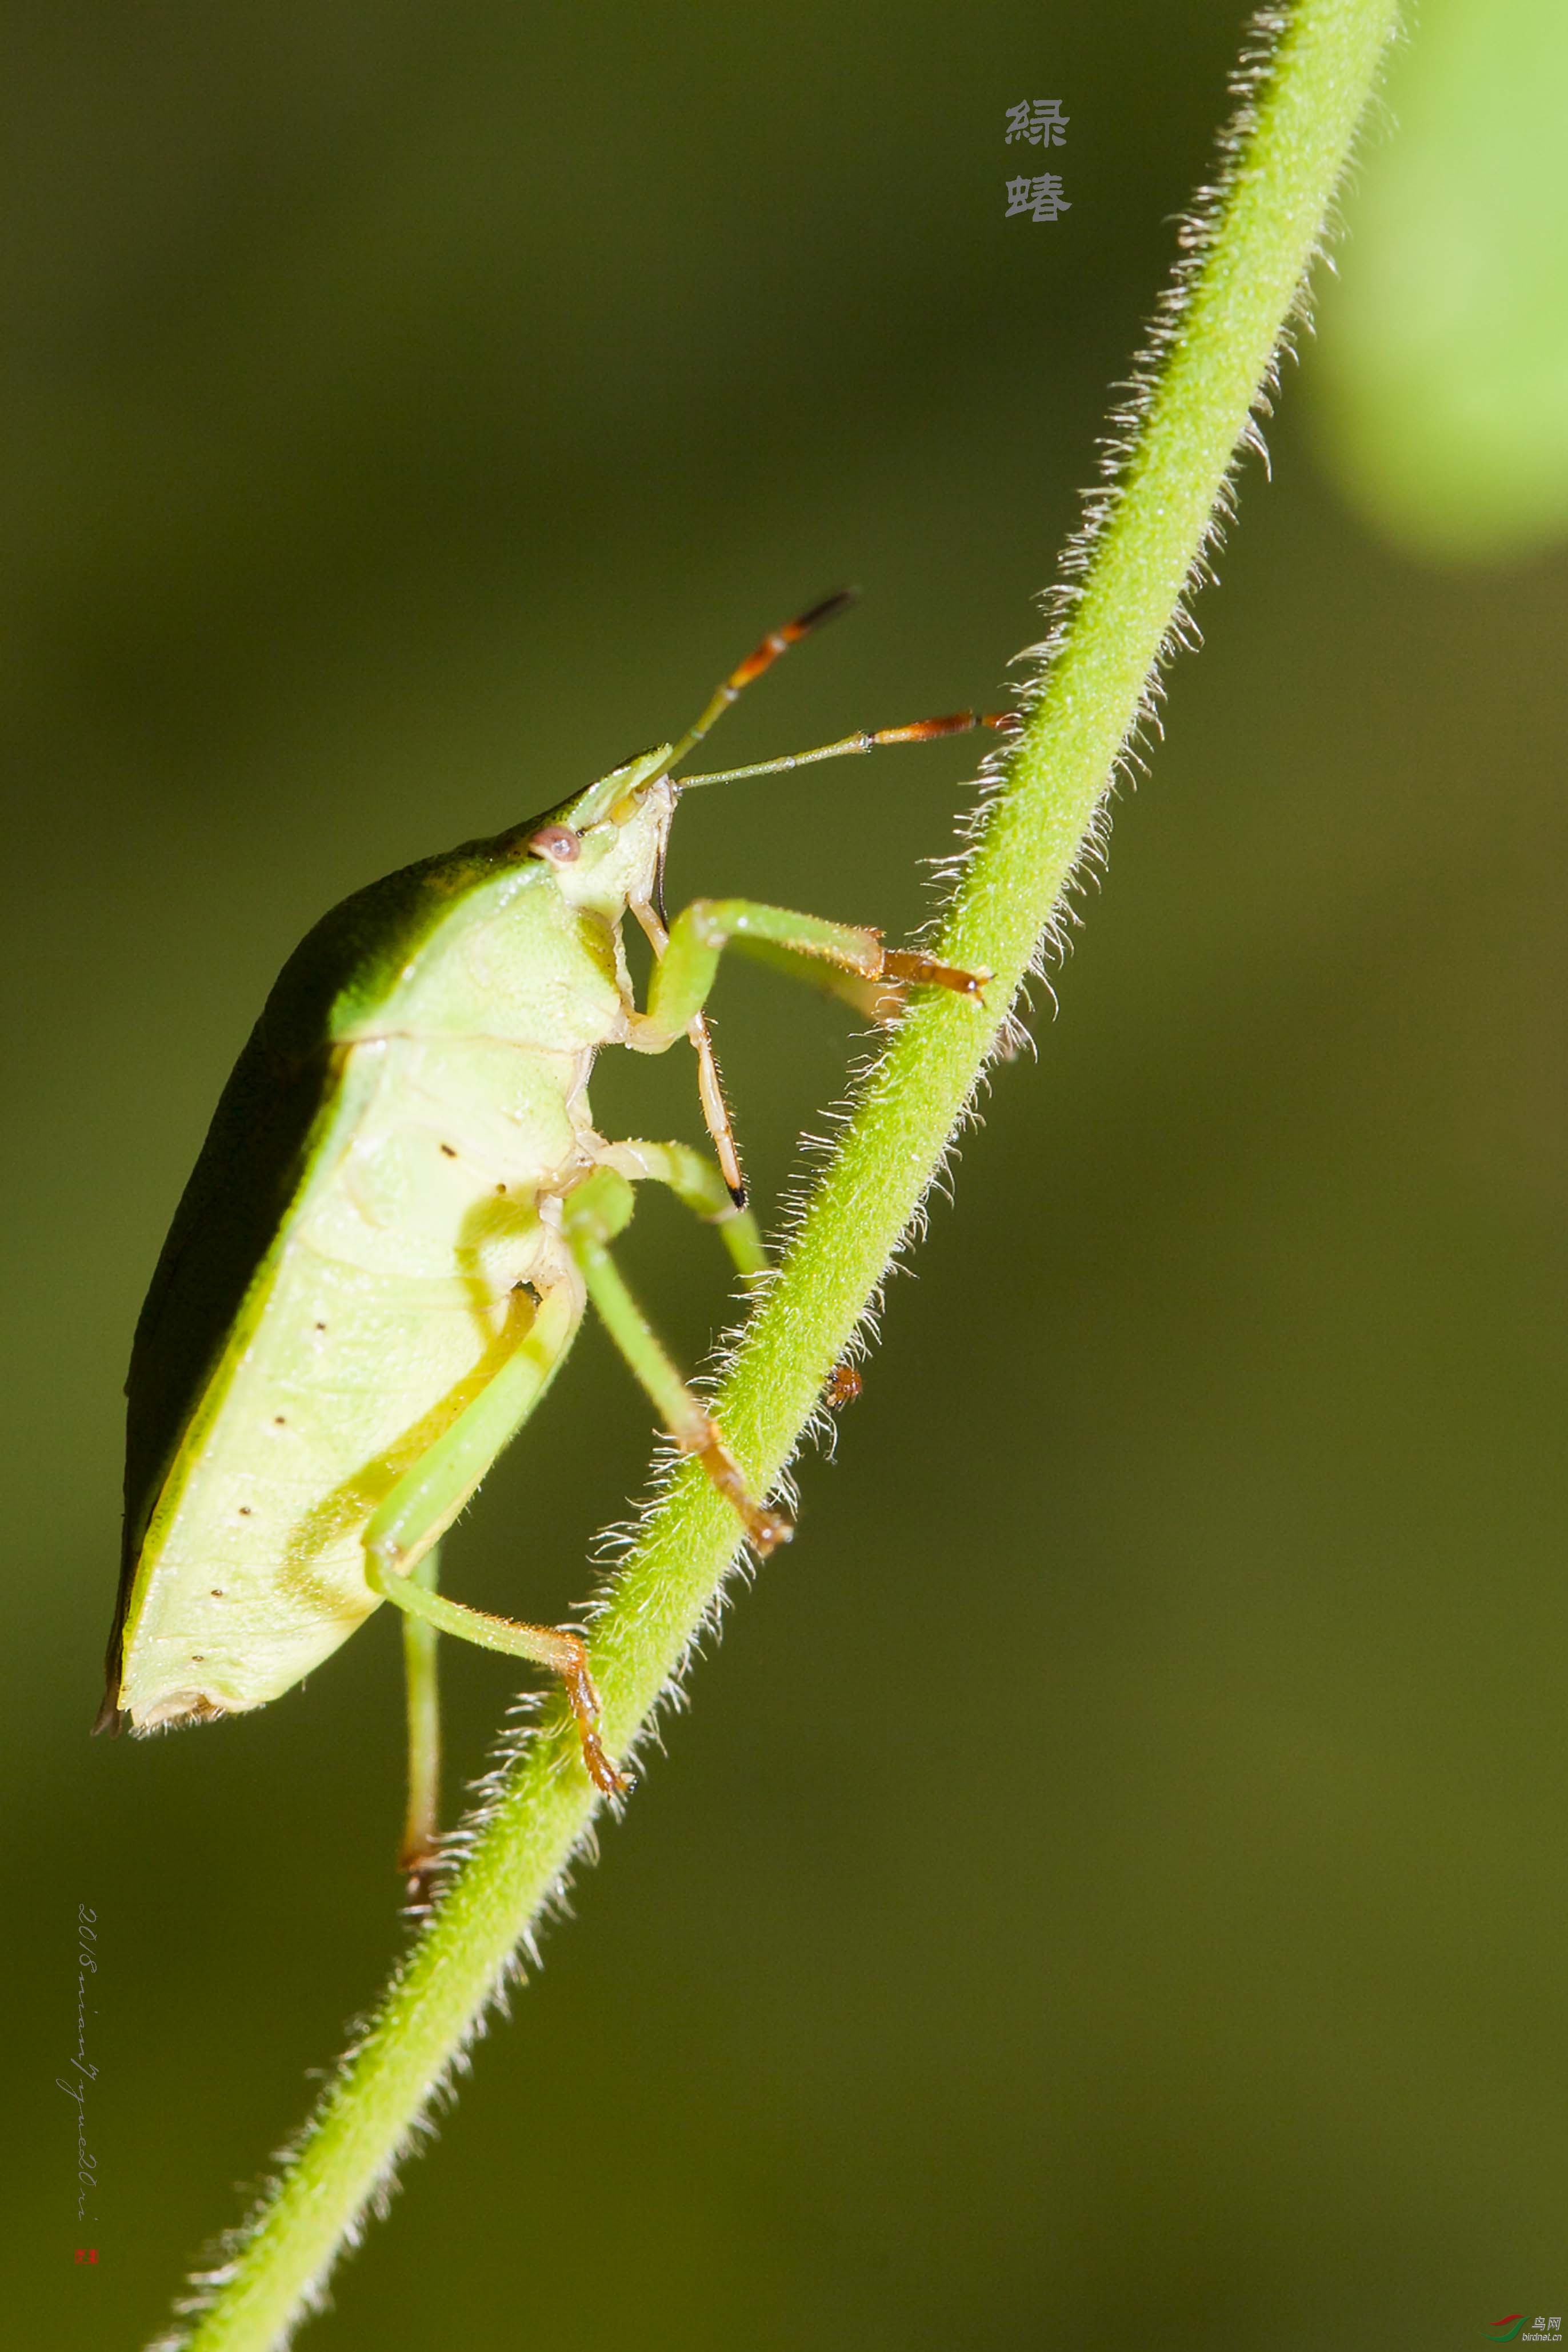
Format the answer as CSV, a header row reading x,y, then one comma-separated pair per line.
x,y
557,843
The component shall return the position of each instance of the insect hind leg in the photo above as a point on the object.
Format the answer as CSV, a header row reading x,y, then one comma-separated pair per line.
x,y
406,1527
556,1647
594,1214
421,1642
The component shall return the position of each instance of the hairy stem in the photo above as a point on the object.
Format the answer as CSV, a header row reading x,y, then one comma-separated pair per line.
x,y
1247,255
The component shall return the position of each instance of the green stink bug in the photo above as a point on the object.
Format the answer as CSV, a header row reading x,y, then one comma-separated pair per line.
x,y
398,1217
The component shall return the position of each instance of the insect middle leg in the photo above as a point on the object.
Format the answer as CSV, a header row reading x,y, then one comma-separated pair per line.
x,y
873,976
699,1184
594,1214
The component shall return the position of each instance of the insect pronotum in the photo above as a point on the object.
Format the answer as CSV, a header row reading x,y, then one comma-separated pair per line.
x,y
397,1220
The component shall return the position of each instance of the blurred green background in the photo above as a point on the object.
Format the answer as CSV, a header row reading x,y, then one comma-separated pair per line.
x,y
1109,1888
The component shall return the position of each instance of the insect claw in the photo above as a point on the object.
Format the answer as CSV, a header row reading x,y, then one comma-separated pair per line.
x,y
582,1694
606,1777
765,1530
421,1877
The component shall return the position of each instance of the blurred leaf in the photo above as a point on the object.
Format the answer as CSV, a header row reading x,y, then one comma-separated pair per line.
x,y
1444,388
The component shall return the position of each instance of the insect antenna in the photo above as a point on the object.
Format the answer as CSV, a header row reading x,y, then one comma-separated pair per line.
x,y
762,658
920,731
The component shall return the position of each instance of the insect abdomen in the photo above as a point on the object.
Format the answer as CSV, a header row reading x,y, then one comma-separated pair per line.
x,y
383,1306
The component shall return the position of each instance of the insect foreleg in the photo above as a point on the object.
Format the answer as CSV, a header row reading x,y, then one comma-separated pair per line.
x,y
698,1182
595,1212
874,1000
685,972
429,1497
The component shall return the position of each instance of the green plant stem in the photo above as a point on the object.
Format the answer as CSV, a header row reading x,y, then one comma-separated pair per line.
x,y
1256,247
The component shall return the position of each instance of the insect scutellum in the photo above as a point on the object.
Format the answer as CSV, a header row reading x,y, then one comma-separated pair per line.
x,y
399,1217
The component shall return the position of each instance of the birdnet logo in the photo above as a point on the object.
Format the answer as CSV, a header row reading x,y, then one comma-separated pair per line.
x,y
1526,2331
